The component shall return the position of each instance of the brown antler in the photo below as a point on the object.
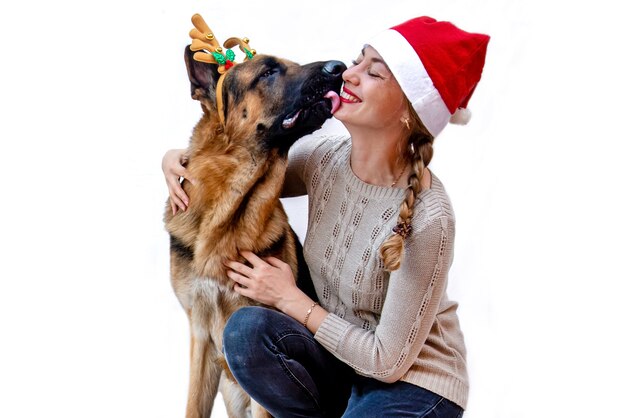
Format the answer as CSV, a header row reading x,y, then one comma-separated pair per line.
x,y
203,40
244,46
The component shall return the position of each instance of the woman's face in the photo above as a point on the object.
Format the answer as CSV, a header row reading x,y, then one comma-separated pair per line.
x,y
371,96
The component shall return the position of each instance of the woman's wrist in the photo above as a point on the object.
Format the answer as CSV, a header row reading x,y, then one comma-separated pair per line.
x,y
308,313
303,309
292,302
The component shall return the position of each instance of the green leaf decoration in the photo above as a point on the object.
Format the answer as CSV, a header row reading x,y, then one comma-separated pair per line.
x,y
221,60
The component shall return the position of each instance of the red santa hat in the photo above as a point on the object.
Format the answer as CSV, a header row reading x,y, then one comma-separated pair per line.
x,y
437,66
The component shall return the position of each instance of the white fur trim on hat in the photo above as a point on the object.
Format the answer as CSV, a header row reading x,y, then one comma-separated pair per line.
x,y
415,82
461,116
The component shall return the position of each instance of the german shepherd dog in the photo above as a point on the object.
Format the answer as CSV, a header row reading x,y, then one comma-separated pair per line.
x,y
239,168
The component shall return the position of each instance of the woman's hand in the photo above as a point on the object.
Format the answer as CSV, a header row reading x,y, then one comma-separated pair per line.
x,y
269,281
173,166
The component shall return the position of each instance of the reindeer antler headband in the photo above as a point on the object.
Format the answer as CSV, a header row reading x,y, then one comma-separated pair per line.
x,y
203,40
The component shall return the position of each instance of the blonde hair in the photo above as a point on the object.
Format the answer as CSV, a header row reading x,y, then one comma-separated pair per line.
x,y
417,150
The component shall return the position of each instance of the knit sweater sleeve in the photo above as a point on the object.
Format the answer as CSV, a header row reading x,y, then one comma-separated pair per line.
x,y
411,304
299,154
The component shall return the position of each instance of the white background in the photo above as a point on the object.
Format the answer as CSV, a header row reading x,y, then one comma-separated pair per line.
x,y
93,93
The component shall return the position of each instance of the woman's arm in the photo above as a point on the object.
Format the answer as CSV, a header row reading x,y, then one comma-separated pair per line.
x,y
271,282
410,307
411,304
173,166
299,153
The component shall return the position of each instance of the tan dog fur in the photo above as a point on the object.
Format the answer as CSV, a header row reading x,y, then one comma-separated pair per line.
x,y
234,206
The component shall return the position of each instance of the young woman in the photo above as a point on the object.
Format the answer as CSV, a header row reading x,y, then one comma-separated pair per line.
x,y
384,340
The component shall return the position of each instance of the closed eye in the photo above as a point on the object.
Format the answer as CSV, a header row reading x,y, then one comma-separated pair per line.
x,y
269,72
369,70
266,76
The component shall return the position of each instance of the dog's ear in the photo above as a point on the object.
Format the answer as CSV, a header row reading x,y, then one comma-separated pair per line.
x,y
203,78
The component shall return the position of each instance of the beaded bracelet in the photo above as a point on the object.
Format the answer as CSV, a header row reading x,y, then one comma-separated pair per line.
x,y
308,314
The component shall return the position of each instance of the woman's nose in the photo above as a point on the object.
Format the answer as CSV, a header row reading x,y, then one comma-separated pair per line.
x,y
350,75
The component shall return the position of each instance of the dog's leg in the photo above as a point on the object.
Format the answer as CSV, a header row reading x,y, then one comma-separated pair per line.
x,y
205,371
236,400
238,403
258,411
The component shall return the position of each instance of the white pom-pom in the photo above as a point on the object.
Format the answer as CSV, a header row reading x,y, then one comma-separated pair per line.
x,y
461,116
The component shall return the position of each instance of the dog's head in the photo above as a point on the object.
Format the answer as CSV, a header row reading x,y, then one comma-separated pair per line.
x,y
269,100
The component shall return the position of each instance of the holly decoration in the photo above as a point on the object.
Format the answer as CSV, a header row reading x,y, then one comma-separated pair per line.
x,y
227,60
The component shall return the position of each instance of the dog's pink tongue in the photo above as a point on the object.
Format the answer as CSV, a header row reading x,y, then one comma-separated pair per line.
x,y
334,99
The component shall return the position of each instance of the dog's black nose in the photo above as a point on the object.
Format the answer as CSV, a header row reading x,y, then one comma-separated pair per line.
x,y
334,67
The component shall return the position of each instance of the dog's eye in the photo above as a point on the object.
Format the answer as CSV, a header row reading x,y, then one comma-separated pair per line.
x,y
269,72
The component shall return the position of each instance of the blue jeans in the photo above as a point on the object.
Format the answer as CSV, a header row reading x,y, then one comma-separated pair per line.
x,y
279,364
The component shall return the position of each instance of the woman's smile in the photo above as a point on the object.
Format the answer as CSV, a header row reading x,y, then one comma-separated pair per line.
x,y
348,96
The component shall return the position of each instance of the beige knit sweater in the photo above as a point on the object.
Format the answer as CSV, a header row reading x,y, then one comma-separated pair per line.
x,y
398,326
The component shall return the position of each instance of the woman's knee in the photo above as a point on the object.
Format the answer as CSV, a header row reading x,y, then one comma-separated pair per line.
x,y
246,330
248,342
